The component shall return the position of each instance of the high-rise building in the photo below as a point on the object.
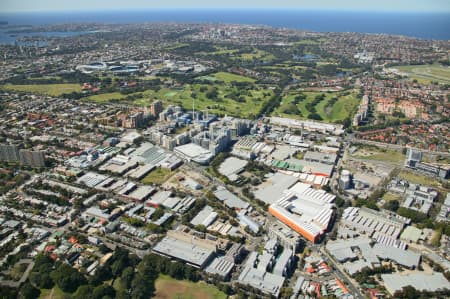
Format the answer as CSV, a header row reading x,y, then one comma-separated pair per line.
x,y
133,121
32,158
156,108
9,153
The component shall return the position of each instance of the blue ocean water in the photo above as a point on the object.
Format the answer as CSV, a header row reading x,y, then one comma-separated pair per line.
x,y
421,25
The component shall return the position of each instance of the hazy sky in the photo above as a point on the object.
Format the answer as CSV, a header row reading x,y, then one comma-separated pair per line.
x,y
379,5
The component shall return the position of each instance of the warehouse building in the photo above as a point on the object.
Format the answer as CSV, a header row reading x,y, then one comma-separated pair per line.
x,y
419,281
229,199
270,190
193,152
306,210
369,221
205,217
193,254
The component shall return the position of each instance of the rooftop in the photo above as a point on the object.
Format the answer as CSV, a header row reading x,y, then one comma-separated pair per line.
x,y
190,253
419,281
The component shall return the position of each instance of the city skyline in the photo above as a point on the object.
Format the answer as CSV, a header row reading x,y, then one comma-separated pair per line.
x,y
349,5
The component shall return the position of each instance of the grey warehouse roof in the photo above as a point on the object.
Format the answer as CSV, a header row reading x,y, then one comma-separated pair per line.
x,y
190,253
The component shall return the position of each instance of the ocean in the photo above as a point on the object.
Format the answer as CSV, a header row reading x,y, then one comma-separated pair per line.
x,y
420,25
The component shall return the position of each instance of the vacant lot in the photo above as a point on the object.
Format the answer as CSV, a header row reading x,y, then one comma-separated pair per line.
x,y
418,179
157,176
45,89
168,288
427,73
379,154
388,196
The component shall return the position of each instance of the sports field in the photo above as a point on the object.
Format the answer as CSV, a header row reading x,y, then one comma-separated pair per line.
x,y
170,288
45,89
426,73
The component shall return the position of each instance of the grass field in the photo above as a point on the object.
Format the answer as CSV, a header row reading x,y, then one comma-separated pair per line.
x,y
388,196
379,154
253,100
418,179
105,97
54,293
157,176
229,77
223,51
250,101
344,107
255,54
45,89
170,288
426,73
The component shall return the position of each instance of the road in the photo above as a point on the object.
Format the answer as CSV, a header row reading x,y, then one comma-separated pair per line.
x,y
353,286
16,284
393,146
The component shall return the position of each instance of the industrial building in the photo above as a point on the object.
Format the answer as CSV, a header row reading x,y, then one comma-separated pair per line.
x,y
368,221
344,251
319,157
32,158
193,152
420,281
248,222
189,252
229,199
231,168
190,246
308,125
9,153
306,210
205,217
270,190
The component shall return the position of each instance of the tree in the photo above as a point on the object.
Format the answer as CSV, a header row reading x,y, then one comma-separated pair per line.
x,y
83,292
407,292
315,116
141,288
103,291
101,274
176,270
127,277
392,205
28,291
40,275
67,278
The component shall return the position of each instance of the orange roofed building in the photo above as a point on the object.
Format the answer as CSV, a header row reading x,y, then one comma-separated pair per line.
x,y
306,210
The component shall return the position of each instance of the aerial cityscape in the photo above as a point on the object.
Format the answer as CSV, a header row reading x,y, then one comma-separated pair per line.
x,y
246,150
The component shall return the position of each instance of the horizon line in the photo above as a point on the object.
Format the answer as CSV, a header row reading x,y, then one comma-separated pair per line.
x,y
287,9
